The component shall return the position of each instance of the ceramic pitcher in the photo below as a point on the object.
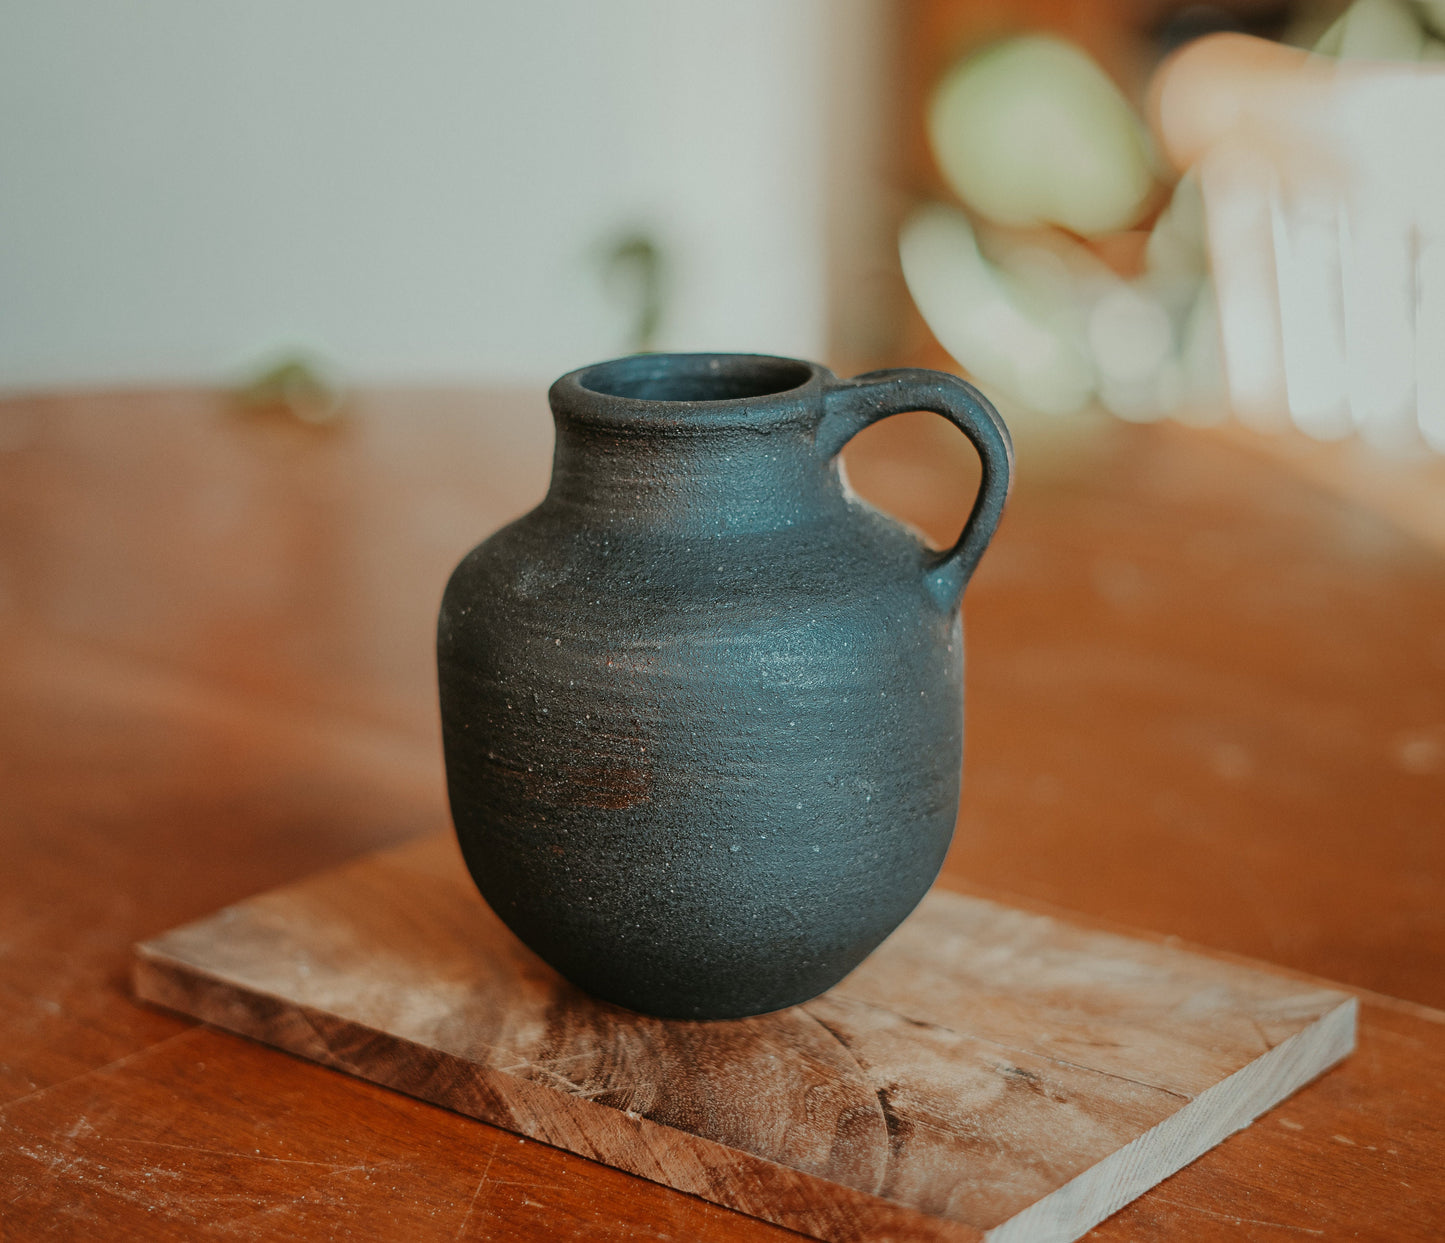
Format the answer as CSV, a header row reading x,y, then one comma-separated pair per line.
x,y
702,708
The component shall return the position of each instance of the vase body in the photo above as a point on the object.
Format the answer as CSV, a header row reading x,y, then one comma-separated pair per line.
x,y
702,708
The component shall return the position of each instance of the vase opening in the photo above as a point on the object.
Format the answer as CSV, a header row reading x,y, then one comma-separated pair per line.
x,y
695,377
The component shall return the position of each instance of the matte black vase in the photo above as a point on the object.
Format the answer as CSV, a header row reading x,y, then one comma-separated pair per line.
x,y
703,708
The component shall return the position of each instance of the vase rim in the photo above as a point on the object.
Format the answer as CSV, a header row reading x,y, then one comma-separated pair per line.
x,y
702,389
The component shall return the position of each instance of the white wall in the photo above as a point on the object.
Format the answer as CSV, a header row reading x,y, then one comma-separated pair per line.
x,y
414,190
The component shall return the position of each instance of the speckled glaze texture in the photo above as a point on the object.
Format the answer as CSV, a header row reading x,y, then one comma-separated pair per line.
x,y
703,708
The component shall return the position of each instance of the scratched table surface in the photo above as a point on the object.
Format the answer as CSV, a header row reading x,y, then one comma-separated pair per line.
x,y
1206,700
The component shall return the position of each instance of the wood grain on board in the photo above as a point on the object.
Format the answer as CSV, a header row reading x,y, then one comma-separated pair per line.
x,y
988,1072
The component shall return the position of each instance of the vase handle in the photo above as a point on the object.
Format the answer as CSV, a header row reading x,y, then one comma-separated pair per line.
x,y
852,405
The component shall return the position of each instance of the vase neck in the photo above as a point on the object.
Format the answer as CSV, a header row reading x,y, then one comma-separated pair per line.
x,y
697,443
717,483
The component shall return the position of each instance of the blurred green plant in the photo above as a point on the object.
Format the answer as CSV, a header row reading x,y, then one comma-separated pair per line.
x,y
1029,131
634,272
1395,30
293,386
1047,156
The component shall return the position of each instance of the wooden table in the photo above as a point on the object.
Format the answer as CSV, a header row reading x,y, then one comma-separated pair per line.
x,y
1206,701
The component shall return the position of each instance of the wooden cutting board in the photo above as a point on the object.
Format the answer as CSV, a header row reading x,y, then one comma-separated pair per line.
x,y
987,1073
